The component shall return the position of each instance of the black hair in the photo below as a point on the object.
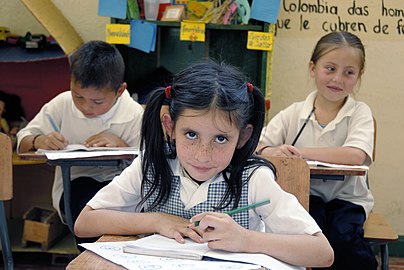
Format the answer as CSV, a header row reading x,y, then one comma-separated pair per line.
x,y
97,64
14,113
202,86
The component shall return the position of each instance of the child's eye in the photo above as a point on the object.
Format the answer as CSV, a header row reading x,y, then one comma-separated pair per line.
x,y
350,73
191,135
221,139
98,102
330,68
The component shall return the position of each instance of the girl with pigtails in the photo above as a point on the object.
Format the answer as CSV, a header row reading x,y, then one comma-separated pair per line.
x,y
197,162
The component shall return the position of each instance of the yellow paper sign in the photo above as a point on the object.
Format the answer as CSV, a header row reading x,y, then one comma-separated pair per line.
x,y
260,41
193,31
118,33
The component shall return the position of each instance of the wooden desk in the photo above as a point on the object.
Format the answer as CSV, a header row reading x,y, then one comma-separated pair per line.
x,y
339,174
88,260
20,160
66,164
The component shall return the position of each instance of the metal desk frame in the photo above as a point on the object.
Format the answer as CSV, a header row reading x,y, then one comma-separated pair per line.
x,y
66,164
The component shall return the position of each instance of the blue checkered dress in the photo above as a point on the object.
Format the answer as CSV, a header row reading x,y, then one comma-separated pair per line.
x,y
216,191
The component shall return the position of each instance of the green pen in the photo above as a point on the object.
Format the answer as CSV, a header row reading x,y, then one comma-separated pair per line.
x,y
241,209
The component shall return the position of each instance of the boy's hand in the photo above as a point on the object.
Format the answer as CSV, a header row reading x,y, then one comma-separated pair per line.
x,y
104,139
220,231
51,141
176,227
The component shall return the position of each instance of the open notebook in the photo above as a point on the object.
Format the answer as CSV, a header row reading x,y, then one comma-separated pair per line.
x,y
73,151
81,147
164,252
331,165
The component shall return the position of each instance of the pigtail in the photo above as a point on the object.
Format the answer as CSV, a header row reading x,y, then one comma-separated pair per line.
x,y
156,170
257,120
244,157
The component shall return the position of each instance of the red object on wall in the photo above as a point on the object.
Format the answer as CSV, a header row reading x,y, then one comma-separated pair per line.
x,y
35,82
267,104
162,8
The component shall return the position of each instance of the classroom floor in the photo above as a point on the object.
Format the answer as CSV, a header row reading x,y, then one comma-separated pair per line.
x,y
38,261
396,263
35,261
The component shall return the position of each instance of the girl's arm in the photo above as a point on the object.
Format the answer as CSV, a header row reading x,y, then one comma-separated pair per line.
x,y
222,232
93,223
279,151
337,155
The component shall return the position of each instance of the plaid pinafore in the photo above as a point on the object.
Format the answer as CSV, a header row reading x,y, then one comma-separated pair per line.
x,y
174,205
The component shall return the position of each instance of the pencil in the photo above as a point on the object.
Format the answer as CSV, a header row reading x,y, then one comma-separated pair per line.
x,y
304,125
241,209
53,124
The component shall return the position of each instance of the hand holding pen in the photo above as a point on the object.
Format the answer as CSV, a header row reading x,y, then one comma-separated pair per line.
x,y
240,209
54,140
220,230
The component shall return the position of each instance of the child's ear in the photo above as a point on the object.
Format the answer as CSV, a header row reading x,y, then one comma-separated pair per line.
x,y
168,124
312,67
245,135
121,89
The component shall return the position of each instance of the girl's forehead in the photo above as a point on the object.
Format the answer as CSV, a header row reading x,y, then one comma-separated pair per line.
x,y
212,113
217,117
344,52
346,56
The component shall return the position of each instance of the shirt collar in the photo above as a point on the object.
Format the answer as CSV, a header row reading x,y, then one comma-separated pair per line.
x,y
346,111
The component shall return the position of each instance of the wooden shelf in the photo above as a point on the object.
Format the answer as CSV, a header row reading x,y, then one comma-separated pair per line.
x,y
228,43
242,27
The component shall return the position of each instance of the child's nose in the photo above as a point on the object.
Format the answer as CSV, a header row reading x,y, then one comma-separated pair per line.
x,y
203,153
337,77
86,106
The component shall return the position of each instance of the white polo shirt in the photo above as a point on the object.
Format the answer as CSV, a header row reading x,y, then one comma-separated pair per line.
x,y
124,120
284,215
353,127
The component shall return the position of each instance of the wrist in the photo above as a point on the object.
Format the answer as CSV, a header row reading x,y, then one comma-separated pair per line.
x,y
33,147
259,151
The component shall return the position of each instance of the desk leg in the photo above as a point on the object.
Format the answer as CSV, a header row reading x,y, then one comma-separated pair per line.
x,y
66,195
384,254
5,240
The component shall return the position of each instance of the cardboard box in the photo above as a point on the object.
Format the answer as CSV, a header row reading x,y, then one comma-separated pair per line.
x,y
56,24
43,226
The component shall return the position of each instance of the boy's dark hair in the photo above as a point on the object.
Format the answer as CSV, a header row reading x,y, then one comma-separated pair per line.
x,y
97,64
203,87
